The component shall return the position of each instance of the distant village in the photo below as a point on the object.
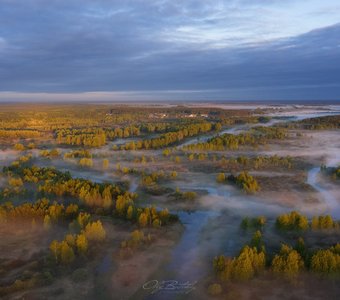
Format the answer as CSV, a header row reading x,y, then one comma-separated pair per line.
x,y
179,115
163,115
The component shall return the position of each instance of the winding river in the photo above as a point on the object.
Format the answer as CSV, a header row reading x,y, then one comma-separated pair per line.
x,y
185,265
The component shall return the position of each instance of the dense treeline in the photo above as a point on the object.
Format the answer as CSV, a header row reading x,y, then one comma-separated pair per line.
x,y
245,120
155,177
147,127
52,181
22,147
162,127
244,180
96,137
246,265
223,142
288,262
320,123
257,136
187,195
85,162
52,117
271,133
123,132
41,211
257,162
50,153
296,221
326,261
89,137
324,222
73,245
170,138
111,198
292,221
91,194
173,126
148,216
78,154
35,174
49,117
86,125
19,133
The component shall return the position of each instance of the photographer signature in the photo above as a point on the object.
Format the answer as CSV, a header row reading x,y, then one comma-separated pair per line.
x,y
175,286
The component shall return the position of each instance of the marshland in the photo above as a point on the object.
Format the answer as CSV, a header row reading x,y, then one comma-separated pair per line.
x,y
169,201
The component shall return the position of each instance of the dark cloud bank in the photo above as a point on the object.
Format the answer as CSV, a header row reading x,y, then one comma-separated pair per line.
x,y
76,47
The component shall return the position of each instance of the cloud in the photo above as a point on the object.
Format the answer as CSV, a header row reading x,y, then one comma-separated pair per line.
x,y
237,48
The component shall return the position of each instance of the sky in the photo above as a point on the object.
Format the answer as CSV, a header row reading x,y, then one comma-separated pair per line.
x,y
56,50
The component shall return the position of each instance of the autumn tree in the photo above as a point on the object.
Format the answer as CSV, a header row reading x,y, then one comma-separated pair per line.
x,y
245,266
47,222
143,219
70,240
292,221
95,231
19,147
55,249
86,162
247,182
324,222
15,182
71,210
220,178
130,212
249,263
83,219
66,253
256,241
326,261
81,243
288,262
122,203
105,164
173,174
